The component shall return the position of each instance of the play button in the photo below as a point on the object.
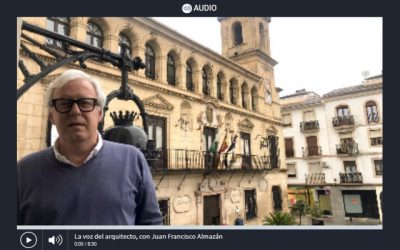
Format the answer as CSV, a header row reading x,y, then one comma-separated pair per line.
x,y
28,240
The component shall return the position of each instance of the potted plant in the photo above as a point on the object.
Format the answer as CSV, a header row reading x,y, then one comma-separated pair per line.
x,y
279,218
316,215
299,208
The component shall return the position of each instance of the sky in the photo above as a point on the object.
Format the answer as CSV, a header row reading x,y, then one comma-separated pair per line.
x,y
317,53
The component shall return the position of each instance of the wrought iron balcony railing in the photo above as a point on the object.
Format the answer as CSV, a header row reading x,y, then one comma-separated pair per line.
x,y
316,178
312,151
347,120
355,177
309,126
347,148
185,159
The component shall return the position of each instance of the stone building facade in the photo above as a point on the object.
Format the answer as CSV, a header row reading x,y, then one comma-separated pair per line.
x,y
194,98
333,149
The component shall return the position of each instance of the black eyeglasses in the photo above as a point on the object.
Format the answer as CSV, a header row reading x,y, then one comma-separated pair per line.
x,y
65,105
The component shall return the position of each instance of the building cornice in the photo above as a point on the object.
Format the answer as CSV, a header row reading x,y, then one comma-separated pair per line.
x,y
196,47
158,87
254,53
352,95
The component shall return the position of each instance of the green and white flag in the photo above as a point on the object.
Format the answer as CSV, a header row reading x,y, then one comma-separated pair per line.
x,y
214,146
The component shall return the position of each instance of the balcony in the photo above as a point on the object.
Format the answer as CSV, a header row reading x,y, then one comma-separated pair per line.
x,y
185,159
311,151
347,148
355,177
318,178
309,126
343,122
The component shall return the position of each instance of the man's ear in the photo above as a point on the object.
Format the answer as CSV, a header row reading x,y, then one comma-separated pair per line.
x,y
51,118
100,114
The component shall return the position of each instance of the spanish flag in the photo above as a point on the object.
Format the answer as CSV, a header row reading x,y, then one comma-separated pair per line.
x,y
224,145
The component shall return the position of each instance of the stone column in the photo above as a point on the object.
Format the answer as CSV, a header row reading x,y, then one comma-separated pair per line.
x,y
337,206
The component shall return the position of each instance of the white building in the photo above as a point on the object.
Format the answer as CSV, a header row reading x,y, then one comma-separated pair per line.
x,y
333,147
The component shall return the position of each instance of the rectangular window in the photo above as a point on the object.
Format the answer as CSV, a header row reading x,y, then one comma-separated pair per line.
x,y
277,198
352,204
250,204
287,119
315,168
289,151
164,209
378,167
309,116
246,150
291,170
376,137
350,166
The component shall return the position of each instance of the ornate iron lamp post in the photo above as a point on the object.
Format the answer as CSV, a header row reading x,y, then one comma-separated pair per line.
x,y
75,51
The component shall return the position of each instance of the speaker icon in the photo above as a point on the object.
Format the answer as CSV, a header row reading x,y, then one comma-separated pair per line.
x,y
56,240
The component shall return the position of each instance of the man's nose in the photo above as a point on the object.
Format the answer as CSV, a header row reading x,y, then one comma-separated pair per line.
x,y
75,109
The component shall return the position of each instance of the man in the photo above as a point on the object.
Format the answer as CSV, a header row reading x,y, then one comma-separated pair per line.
x,y
82,179
238,221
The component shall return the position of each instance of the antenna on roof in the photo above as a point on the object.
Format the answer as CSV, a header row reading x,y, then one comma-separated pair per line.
x,y
365,73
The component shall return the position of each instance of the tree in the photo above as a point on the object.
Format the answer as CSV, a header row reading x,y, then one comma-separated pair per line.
x,y
279,218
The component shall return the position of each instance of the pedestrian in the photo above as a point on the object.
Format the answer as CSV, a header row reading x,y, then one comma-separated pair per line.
x,y
83,179
238,220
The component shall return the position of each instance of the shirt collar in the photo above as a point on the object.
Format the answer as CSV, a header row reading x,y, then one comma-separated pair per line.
x,y
93,153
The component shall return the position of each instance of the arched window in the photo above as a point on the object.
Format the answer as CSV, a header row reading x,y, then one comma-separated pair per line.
x,y
254,99
189,77
372,111
170,70
59,25
342,111
262,35
232,91
150,61
244,92
237,34
205,78
219,88
123,39
94,35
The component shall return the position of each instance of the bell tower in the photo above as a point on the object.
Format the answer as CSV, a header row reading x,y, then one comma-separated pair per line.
x,y
245,40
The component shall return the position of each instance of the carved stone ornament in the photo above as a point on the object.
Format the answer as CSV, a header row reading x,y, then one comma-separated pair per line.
x,y
236,196
209,114
271,130
182,203
204,186
214,184
246,124
263,185
158,102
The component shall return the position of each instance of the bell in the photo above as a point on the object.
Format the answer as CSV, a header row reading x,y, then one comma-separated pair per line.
x,y
125,132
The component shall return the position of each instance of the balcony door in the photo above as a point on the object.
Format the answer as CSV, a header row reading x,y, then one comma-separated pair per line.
x,y
350,167
312,145
157,132
208,139
246,150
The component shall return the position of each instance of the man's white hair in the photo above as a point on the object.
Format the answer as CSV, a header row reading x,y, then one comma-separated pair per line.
x,y
73,74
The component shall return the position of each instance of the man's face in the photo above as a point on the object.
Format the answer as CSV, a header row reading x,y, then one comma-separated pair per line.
x,y
75,125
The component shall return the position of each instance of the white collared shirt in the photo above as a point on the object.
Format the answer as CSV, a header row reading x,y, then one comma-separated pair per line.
x,y
64,159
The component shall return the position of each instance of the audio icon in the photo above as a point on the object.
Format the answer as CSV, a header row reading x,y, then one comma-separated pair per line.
x,y
56,240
